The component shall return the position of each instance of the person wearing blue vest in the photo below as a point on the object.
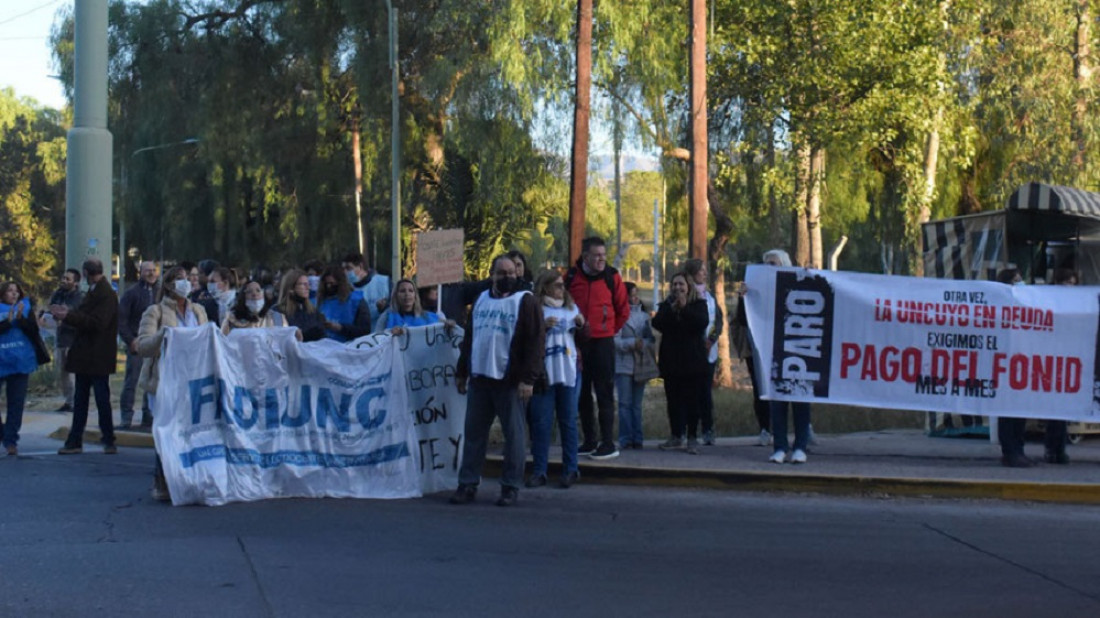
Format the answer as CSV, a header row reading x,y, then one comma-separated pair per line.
x,y
500,360
347,316
374,287
17,358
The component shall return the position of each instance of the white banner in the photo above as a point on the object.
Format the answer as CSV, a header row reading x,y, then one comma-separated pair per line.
x,y
970,347
437,410
257,415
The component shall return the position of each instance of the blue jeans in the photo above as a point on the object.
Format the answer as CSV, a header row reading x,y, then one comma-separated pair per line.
x,y
801,414
85,385
485,400
17,396
562,400
630,394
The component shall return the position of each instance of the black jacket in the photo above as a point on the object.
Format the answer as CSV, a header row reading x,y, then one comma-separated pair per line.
x,y
683,348
95,349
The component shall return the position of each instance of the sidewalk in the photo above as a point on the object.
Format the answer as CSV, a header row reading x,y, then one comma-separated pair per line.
x,y
899,462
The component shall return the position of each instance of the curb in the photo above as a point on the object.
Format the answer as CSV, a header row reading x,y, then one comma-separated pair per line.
x,y
865,486
137,439
733,480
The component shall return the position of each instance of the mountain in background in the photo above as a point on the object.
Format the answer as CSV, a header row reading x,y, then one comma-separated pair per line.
x,y
604,164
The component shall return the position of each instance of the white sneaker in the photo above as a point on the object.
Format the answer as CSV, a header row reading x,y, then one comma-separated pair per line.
x,y
798,456
781,456
765,438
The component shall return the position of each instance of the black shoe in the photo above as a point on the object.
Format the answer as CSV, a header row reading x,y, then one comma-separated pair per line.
x,y
123,427
508,496
568,480
637,446
1016,461
605,450
1056,457
537,480
110,449
464,494
65,408
586,449
70,450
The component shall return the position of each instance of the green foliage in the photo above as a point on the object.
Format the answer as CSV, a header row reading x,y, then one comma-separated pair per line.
x,y
32,196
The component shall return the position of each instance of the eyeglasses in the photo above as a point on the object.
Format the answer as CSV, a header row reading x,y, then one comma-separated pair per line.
x,y
558,284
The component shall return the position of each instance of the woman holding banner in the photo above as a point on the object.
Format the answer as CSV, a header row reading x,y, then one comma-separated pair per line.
x,y
172,310
405,311
558,396
682,320
250,310
800,411
347,315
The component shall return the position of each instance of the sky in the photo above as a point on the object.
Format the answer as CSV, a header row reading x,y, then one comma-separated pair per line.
x,y
25,62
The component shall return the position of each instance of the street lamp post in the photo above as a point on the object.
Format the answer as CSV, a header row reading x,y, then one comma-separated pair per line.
x,y
126,204
395,148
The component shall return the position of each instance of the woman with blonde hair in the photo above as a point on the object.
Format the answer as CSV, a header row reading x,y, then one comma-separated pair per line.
x,y
172,310
682,320
294,308
558,395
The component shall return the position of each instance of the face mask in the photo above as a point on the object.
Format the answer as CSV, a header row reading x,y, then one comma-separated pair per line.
x,y
212,288
314,281
183,287
351,276
255,306
506,285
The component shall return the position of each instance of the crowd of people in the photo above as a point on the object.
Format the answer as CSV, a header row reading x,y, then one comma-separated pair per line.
x,y
572,349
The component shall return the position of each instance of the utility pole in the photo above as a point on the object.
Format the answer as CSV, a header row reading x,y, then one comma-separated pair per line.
x,y
697,239
581,112
90,144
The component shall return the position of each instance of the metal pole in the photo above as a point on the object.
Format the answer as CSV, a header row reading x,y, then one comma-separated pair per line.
x,y
656,252
395,160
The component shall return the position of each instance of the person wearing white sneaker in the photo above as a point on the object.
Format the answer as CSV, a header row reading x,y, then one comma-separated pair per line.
x,y
778,457
798,456
765,437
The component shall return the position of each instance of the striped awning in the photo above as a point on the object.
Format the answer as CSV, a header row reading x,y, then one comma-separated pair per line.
x,y
1055,198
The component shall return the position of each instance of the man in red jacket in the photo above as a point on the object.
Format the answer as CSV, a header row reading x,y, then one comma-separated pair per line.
x,y
599,293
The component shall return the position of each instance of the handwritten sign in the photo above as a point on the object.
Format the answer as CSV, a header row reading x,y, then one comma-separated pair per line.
x,y
439,257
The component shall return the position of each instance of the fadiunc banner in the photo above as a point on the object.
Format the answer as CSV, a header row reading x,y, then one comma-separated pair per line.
x,y
437,410
970,347
258,415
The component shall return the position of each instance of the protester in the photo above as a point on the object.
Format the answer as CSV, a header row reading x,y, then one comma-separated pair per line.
x,y
742,343
697,272
133,304
92,357
250,311
600,295
313,269
222,286
172,310
524,276
68,294
429,300
800,411
346,314
682,358
557,396
405,310
294,308
1057,430
19,339
374,287
633,341
501,358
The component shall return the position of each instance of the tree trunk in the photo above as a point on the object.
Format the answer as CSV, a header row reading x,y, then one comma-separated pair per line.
x,y
581,112
723,228
1082,72
778,225
924,209
813,206
698,233
800,236
617,147
357,165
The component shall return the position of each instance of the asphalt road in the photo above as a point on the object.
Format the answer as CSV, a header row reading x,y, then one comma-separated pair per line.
x,y
79,536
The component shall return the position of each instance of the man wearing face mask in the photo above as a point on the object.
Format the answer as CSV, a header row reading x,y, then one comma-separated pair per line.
x,y
374,287
599,293
134,302
501,358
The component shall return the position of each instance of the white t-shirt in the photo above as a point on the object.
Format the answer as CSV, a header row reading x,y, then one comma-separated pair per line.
x,y
561,348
